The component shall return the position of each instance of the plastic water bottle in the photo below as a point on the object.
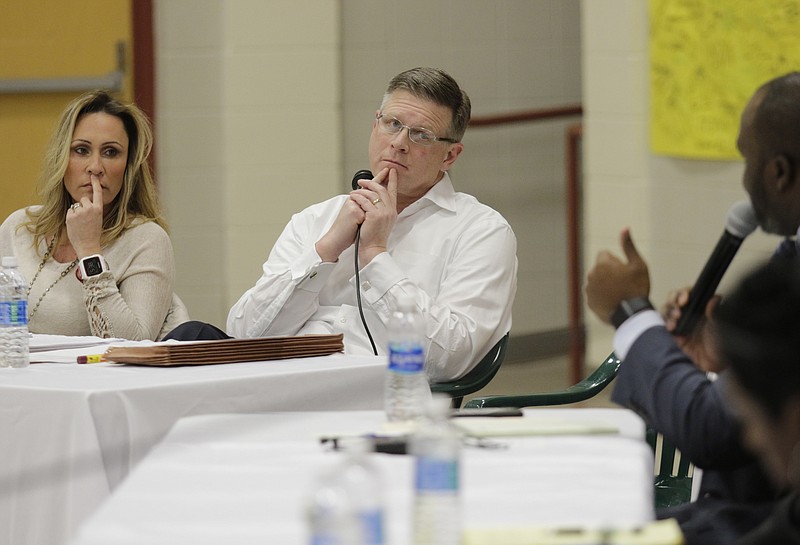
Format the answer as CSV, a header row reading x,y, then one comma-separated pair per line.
x,y
436,447
329,512
346,506
14,341
407,390
5,283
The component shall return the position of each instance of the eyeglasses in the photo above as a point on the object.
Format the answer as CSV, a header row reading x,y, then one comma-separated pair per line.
x,y
418,135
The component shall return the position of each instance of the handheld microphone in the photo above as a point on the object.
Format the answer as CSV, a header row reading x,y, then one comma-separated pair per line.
x,y
361,175
741,221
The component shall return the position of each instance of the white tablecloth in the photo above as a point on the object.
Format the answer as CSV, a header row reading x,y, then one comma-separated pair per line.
x,y
243,479
69,434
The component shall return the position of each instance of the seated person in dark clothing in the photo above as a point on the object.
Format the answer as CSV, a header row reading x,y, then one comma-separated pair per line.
x,y
663,377
758,334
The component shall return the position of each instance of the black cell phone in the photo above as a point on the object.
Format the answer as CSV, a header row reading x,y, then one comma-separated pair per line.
x,y
489,411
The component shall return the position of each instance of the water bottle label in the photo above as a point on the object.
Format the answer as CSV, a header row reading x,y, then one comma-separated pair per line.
x,y
13,313
324,539
370,530
409,360
372,526
436,475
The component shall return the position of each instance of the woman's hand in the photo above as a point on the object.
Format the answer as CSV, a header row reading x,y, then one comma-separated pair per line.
x,y
84,222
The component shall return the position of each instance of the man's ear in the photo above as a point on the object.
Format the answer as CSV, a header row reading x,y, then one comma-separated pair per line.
x,y
452,154
782,170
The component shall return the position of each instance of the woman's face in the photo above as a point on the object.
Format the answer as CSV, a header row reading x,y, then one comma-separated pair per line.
x,y
99,146
773,440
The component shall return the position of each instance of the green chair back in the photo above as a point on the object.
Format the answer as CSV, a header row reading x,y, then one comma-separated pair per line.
x,y
477,378
588,387
673,473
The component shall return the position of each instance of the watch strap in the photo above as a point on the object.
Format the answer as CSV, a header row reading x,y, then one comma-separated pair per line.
x,y
628,308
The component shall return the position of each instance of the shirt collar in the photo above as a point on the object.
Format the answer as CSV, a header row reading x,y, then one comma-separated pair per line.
x,y
442,194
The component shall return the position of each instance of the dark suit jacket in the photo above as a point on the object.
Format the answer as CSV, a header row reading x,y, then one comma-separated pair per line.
x,y
781,528
674,397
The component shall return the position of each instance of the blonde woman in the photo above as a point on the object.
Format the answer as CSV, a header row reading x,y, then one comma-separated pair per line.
x,y
95,252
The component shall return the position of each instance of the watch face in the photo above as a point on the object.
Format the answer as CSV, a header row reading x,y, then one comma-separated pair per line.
x,y
92,266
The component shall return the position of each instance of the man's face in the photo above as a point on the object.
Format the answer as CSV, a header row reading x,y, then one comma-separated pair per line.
x,y
769,206
418,167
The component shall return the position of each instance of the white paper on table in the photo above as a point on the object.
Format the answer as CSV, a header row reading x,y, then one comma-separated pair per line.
x,y
66,349
42,342
488,426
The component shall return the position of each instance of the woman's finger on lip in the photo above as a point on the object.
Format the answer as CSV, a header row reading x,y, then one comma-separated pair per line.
x,y
97,189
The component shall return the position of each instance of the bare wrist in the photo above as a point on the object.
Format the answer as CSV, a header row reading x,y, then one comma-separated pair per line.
x,y
325,254
368,254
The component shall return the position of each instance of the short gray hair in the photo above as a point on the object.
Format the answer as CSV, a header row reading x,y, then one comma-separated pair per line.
x,y
439,87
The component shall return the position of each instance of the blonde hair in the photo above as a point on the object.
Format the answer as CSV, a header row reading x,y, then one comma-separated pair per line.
x,y
137,200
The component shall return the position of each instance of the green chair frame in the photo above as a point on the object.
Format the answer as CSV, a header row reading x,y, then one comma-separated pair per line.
x,y
588,387
673,473
477,378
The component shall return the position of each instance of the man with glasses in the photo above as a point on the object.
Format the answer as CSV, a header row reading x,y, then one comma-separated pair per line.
x,y
416,236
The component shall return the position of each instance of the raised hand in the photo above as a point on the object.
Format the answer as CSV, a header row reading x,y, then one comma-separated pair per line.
x,y
378,199
84,221
613,280
373,207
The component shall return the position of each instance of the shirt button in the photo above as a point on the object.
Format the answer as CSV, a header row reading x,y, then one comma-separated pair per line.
x,y
366,285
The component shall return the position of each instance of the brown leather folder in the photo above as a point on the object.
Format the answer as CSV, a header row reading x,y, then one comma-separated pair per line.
x,y
227,350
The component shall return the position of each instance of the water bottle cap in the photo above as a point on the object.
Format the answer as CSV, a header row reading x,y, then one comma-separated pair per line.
x,y
9,261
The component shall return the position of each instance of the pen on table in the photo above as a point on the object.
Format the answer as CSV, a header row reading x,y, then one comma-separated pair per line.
x,y
92,358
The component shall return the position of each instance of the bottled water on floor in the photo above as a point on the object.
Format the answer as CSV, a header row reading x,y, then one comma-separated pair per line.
x,y
14,340
436,448
407,390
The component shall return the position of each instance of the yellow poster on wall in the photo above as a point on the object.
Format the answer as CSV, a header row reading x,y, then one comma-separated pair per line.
x,y
706,59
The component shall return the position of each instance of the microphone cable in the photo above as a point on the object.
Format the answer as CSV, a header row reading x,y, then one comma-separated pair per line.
x,y
361,175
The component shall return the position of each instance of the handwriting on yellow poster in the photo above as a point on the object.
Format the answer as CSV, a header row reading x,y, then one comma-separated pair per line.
x,y
707,57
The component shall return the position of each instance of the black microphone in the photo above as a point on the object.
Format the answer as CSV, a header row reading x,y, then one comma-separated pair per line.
x,y
361,175
741,221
